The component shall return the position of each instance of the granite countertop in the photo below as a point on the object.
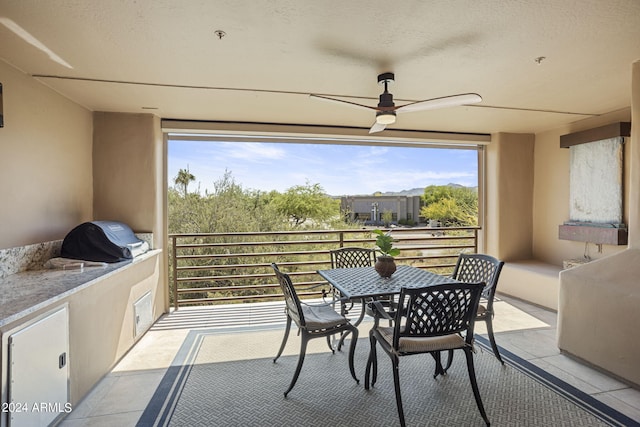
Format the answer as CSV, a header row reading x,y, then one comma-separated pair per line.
x,y
26,292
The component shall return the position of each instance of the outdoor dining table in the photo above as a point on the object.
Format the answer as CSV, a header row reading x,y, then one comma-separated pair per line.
x,y
362,283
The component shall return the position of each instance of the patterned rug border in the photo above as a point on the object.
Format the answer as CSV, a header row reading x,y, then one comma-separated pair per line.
x,y
569,392
161,407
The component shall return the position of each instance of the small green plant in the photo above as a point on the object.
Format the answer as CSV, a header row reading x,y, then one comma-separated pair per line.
x,y
384,241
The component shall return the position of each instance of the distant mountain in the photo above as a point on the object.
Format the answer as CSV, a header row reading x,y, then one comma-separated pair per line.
x,y
419,191
416,191
412,192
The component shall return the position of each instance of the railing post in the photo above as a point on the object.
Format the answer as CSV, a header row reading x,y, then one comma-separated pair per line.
x,y
174,266
475,240
341,239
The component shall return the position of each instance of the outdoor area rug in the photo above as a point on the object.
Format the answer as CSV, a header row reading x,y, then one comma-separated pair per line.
x,y
201,389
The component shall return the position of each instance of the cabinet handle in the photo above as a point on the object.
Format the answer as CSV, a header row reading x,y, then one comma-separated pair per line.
x,y
62,360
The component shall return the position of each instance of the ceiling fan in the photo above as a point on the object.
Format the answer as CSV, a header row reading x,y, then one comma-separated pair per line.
x,y
386,110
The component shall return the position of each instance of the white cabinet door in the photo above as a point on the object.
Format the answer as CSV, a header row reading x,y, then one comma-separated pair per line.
x,y
39,371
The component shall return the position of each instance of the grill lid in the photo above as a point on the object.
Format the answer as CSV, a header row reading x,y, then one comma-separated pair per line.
x,y
103,241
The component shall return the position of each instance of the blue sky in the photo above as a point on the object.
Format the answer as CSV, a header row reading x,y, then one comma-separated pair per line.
x,y
339,169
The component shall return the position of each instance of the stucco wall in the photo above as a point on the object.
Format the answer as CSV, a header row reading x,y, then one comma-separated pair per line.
x,y
102,323
509,186
45,162
127,169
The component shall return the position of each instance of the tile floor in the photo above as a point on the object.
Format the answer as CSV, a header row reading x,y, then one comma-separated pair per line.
x,y
122,395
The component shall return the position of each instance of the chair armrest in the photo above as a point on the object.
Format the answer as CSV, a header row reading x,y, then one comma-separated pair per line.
x,y
378,311
326,303
325,292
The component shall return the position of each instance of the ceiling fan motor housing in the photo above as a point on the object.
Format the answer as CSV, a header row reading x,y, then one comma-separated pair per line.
x,y
386,99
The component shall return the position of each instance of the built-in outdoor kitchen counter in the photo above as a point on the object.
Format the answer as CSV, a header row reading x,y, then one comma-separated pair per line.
x,y
78,322
30,291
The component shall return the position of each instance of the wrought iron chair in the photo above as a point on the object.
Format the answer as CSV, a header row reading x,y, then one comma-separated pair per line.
x,y
473,268
349,257
313,321
431,319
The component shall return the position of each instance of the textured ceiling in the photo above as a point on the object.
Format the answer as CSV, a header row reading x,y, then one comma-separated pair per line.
x,y
162,56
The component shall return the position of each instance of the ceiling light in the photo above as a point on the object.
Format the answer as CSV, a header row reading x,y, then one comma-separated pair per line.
x,y
385,117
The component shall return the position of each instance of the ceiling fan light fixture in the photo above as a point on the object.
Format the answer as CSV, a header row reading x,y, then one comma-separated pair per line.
x,y
386,117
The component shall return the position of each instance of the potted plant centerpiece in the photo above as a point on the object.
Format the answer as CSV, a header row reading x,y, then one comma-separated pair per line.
x,y
385,264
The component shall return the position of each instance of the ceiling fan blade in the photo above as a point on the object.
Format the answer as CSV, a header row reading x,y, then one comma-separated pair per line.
x,y
445,101
377,127
353,104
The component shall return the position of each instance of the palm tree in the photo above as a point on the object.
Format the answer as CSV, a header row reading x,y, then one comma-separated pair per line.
x,y
183,179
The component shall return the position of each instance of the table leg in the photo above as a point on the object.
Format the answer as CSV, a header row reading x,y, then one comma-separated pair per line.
x,y
344,312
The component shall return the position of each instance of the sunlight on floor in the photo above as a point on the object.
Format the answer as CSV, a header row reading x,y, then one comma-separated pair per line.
x,y
245,342
510,318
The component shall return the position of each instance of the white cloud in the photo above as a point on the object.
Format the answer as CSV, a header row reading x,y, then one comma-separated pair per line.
x,y
255,152
338,169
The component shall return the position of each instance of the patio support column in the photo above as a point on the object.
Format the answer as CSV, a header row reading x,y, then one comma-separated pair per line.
x,y
509,196
127,170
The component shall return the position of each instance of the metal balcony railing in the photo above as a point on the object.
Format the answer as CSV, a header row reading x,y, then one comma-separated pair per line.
x,y
219,268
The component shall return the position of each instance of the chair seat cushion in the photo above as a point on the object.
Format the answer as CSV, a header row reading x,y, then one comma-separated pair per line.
x,y
321,317
422,345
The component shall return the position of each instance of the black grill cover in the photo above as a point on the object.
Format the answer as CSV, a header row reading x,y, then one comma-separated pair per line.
x,y
102,241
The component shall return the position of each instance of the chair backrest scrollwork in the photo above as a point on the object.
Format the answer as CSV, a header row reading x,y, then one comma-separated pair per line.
x,y
352,257
437,310
473,268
